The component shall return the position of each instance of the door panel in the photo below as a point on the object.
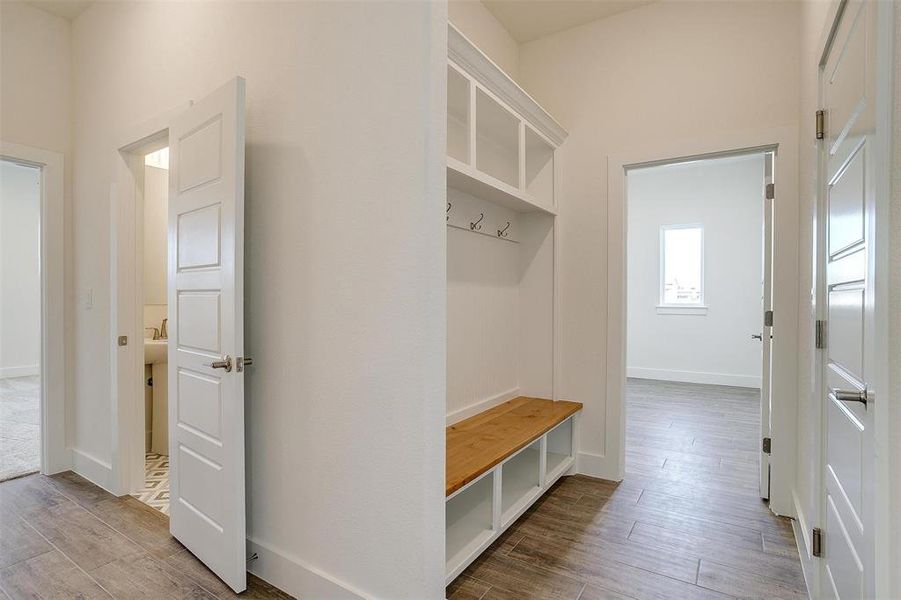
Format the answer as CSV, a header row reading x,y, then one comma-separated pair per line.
x,y
767,332
848,536
206,402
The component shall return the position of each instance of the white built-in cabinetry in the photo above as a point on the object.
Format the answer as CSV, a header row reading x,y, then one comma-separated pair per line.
x,y
503,174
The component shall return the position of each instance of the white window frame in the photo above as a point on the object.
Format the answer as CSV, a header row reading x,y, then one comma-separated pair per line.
x,y
695,308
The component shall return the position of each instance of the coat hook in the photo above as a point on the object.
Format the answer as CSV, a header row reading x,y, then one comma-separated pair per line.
x,y
447,212
502,233
475,226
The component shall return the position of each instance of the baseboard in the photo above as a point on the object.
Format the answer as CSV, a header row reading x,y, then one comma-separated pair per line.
x,y
24,371
289,574
802,539
597,465
480,406
93,469
747,381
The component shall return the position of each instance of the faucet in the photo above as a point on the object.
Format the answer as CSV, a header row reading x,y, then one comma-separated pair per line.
x,y
164,329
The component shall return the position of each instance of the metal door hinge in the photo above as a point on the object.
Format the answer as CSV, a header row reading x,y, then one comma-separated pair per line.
x,y
770,191
767,445
816,542
768,318
821,124
820,335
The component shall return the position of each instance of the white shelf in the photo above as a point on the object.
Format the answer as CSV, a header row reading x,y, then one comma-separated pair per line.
x,y
520,482
467,179
469,523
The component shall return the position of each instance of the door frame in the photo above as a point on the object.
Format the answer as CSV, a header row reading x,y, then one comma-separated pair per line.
x,y
55,453
785,293
127,299
882,142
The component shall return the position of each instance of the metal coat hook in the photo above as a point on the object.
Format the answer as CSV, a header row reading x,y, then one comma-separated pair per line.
x,y
447,212
475,226
502,233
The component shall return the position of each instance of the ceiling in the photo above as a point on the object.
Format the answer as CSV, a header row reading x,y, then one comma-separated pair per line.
x,y
527,20
67,9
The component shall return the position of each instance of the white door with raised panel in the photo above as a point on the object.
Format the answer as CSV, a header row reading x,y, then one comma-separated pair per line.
x,y
847,290
206,330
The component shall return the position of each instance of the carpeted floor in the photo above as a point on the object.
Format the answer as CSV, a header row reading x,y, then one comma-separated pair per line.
x,y
20,426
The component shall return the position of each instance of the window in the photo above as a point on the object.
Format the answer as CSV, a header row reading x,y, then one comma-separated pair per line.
x,y
682,266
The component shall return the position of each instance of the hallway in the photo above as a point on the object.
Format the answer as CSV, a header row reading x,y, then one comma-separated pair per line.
x,y
686,522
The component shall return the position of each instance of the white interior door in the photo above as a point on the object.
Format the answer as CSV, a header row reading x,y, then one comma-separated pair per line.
x,y
846,179
206,331
766,335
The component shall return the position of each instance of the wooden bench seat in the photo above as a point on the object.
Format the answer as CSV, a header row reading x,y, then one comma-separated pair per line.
x,y
479,443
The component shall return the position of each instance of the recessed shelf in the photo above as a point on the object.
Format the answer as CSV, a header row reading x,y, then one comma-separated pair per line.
x,y
539,181
497,140
468,522
458,131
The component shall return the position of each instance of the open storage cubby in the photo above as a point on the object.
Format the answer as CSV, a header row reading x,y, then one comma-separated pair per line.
x,y
497,140
469,521
457,115
559,448
520,481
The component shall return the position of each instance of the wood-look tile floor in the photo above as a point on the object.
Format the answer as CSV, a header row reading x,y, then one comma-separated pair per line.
x,y
686,521
63,537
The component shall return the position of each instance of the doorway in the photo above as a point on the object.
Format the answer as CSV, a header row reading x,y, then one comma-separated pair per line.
x,y
152,253
20,319
699,249
32,336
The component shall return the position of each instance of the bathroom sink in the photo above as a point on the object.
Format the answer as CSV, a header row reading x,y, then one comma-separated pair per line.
x,y
156,351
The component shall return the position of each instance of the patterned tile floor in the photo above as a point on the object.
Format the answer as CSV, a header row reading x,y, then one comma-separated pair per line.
x,y
20,426
156,482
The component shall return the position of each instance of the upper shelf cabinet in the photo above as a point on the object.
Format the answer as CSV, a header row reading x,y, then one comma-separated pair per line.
x,y
500,142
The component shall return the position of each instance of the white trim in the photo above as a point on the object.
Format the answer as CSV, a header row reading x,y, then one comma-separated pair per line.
x,y
784,141
481,68
802,540
55,455
685,309
480,406
745,381
21,371
294,576
93,469
599,466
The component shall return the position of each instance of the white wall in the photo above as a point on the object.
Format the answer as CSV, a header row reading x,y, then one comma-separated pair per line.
x,y
20,282
345,265
726,197
659,74
156,230
485,31
35,110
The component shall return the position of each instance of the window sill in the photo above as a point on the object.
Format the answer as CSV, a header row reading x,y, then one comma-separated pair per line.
x,y
695,309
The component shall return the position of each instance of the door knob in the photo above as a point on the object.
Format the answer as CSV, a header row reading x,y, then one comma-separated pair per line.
x,y
225,363
851,396
757,336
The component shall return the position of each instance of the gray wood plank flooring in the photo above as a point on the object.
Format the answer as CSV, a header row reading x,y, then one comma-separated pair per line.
x,y
63,537
686,522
